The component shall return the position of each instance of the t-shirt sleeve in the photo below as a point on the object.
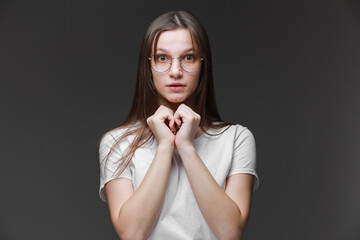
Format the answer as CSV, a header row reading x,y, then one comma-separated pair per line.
x,y
244,155
109,166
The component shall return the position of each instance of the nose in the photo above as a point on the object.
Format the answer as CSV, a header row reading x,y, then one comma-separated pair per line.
x,y
175,69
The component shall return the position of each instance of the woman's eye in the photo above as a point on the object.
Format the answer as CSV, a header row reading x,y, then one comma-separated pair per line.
x,y
161,58
189,58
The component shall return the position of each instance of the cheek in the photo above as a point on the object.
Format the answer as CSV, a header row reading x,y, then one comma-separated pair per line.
x,y
195,82
156,80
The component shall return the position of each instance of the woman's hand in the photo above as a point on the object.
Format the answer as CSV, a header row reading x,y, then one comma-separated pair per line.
x,y
188,121
157,123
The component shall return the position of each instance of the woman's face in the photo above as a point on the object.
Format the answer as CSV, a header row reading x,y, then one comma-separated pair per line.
x,y
175,85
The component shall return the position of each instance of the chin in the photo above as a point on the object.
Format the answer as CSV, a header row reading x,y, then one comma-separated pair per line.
x,y
176,99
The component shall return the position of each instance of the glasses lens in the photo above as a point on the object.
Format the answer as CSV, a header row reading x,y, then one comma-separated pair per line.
x,y
189,63
160,63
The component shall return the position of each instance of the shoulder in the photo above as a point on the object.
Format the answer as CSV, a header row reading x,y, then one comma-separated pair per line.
x,y
238,129
231,135
241,137
233,131
242,132
112,136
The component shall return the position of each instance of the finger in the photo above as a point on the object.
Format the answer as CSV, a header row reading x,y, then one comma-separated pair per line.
x,y
191,112
172,125
178,122
164,113
161,109
178,117
167,118
188,110
148,120
185,107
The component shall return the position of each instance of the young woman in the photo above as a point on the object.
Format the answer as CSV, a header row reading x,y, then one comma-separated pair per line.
x,y
174,169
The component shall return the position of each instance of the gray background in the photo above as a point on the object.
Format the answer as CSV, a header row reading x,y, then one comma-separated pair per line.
x,y
288,70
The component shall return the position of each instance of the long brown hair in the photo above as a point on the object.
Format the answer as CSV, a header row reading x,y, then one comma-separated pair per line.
x,y
145,100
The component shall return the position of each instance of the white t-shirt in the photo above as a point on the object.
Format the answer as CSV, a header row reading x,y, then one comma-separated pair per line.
x,y
230,153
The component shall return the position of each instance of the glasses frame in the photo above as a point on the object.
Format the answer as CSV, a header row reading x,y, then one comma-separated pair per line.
x,y
171,61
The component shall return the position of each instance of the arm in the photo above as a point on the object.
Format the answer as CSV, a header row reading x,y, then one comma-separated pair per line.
x,y
134,214
229,216
228,219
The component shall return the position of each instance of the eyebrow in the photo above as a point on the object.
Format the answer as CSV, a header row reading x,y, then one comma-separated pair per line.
x,y
164,50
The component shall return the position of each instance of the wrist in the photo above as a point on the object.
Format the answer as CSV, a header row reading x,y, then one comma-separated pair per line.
x,y
185,148
167,146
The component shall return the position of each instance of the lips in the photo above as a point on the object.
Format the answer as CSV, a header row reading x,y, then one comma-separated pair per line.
x,y
176,87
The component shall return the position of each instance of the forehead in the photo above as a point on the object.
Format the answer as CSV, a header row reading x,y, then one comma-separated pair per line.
x,y
175,40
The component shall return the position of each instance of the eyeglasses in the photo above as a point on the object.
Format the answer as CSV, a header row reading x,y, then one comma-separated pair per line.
x,y
162,62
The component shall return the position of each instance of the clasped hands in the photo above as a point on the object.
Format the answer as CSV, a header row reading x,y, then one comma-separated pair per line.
x,y
177,128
